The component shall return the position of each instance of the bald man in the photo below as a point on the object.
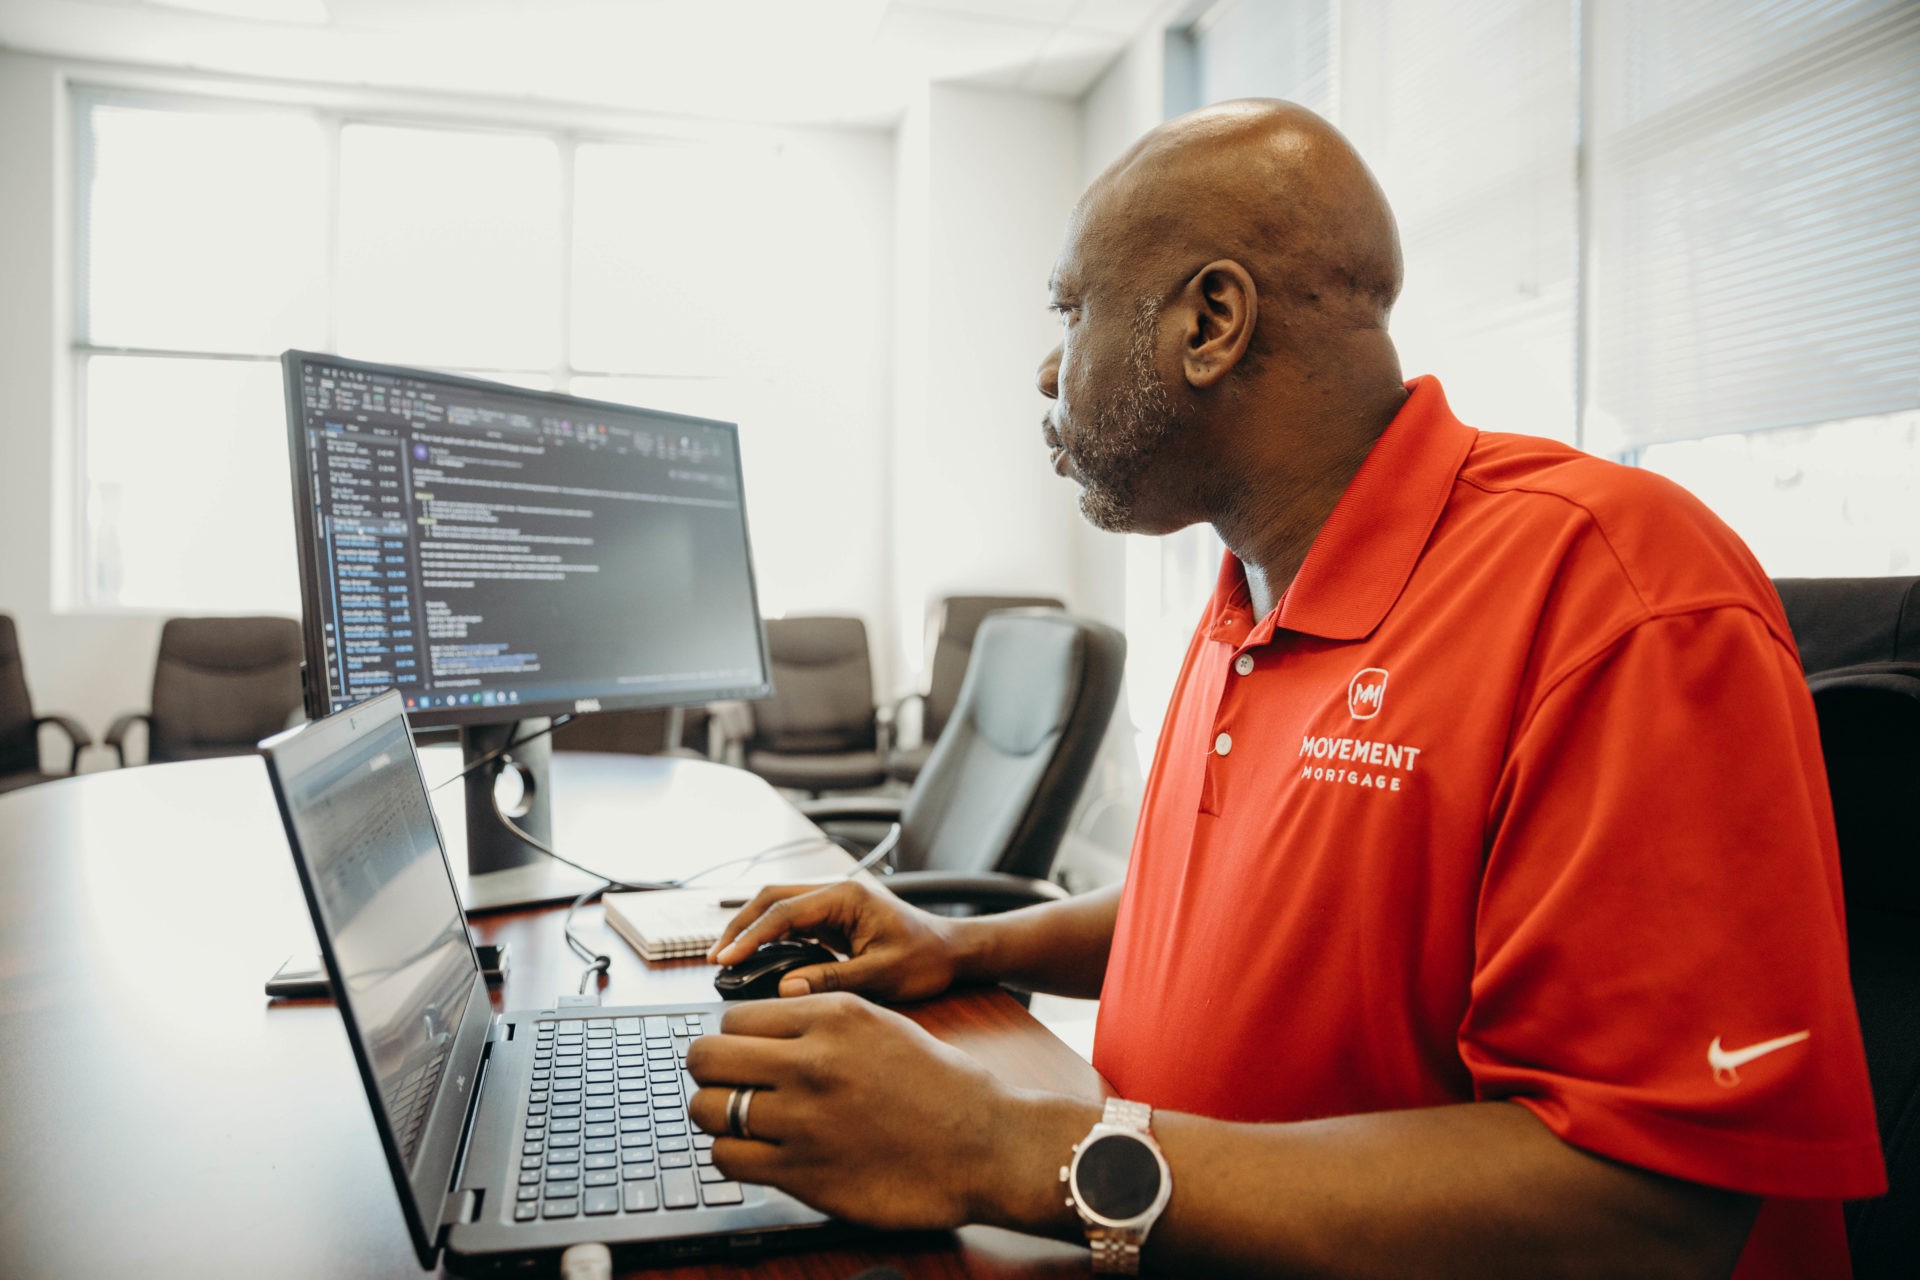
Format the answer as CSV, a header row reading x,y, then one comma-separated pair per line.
x,y
1483,917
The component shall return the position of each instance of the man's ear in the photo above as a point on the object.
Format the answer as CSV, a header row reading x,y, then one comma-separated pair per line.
x,y
1220,305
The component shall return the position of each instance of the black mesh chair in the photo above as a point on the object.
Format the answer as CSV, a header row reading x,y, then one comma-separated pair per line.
x,y
649,732
820,731
20,727
952,623
984,820
1859,641
220,685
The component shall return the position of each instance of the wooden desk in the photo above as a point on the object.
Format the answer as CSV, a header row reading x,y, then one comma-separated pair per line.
x,y
159,1117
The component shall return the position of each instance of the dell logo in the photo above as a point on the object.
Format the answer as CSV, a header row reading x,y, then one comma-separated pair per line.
x,y
1366,692
585,704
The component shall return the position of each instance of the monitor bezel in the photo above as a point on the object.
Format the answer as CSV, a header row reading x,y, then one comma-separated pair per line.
x,y
293,363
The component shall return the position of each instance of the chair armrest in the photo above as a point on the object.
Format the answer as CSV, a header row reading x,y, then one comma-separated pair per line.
x,y
898,714
117,732
76,735
729,725
990,890
853,809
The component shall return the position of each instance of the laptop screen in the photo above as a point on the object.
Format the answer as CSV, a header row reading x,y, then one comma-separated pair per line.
x,y
357,814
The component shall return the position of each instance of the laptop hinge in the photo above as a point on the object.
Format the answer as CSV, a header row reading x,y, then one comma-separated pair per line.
x,y
499,1029
462,1206
464,1202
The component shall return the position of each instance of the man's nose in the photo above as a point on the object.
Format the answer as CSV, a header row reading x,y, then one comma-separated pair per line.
x,y
1048,378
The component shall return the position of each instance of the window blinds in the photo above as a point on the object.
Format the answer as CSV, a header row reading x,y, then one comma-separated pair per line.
x,y
1754,175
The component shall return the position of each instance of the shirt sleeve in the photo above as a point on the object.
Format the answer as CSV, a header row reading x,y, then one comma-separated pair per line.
x,y
1661,965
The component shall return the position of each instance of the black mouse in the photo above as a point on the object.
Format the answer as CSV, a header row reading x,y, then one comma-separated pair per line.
x,y
758,976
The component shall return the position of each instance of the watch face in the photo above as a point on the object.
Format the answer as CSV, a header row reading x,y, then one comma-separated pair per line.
x,y
1117,1177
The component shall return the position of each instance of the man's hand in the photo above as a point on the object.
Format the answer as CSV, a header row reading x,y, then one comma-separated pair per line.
x,y
897,951
862,1114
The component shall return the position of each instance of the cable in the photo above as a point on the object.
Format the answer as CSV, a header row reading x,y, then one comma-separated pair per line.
x,y
599,962
500,752
786,848
879,853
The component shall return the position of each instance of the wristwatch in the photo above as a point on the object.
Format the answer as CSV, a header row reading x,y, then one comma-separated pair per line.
x,y
1119,1184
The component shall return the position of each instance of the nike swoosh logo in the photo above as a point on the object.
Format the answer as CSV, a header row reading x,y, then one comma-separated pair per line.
x,y
1726,1062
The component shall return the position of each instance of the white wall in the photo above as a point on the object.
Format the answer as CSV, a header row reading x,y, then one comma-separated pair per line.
x,y
815,434
985,181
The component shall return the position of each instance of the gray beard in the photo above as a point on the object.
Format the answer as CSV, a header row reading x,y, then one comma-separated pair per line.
x,y
1128,434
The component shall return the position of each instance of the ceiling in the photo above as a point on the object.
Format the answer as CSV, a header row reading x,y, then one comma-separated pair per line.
x,y
778,61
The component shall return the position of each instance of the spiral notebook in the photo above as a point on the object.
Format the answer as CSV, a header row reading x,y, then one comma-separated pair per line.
x,y
673,924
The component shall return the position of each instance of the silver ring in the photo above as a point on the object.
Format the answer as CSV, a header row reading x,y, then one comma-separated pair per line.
x,y
737,1103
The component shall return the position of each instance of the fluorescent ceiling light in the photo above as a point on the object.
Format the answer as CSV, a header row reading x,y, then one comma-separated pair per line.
x,y
311,12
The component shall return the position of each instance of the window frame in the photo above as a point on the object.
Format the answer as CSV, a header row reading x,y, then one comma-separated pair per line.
x,y
333,111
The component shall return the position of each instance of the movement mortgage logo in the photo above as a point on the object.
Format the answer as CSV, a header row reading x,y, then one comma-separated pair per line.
x,y
1358,762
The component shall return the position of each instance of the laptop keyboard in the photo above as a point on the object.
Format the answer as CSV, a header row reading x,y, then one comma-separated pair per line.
x,y
606,1130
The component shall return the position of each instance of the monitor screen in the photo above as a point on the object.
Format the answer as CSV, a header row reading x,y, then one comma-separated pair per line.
x,y
492,553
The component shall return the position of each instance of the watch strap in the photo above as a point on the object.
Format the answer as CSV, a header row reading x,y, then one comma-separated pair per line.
x,y
1117,1252
1137,1116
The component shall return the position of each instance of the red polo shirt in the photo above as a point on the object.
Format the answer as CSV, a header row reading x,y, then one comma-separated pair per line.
x,y
1518,795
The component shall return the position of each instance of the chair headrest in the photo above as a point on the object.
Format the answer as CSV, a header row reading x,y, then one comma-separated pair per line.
x,y
230,644
961,616
1029,677
819,641
1870,734
1841,622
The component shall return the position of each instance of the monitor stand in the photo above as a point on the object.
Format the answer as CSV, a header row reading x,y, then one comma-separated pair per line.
x,y
503,870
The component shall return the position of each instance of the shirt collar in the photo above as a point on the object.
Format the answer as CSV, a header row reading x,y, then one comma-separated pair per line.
x,y
1362,557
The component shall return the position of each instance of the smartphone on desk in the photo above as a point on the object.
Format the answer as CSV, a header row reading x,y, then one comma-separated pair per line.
x,y
300,978
305,977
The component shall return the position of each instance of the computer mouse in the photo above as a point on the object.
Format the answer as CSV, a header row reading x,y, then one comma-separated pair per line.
x,y
758,976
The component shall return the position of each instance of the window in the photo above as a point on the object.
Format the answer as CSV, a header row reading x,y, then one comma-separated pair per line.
x,y
450,248
194,270
1755,292
213,235
1679,235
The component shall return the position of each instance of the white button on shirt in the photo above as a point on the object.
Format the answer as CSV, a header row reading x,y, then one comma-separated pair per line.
x,y
1223,744
1244,665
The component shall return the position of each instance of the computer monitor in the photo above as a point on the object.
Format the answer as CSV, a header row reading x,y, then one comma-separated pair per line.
x,y
499,556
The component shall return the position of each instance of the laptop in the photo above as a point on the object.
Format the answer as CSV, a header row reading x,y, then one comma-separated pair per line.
x,y
514,1135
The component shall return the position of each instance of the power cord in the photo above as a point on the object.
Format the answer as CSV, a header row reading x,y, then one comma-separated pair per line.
x,y
500,752
598,962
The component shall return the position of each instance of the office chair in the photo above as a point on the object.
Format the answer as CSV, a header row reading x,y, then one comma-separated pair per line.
x,y
1859,643
952,621
820,731
980,828
220,685
656,731
20,728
